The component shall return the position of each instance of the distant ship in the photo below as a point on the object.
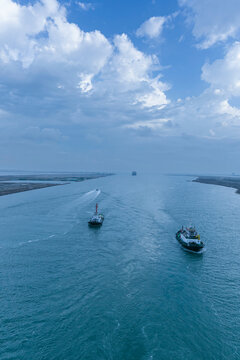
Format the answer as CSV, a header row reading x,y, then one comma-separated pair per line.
x,y
96,219
190,239
134,173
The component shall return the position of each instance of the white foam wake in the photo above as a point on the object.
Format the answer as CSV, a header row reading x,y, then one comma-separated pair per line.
x,y
91,195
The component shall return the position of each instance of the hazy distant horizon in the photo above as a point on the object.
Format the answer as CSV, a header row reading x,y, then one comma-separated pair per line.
x,y
32,172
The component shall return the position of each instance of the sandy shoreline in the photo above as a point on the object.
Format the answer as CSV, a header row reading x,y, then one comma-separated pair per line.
x,y
222,181
11,184
12,188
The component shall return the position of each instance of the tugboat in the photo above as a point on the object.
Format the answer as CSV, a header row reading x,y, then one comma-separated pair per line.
x,y
190,239
96,219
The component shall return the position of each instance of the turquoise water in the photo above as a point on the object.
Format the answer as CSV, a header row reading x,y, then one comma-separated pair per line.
x,y
125,291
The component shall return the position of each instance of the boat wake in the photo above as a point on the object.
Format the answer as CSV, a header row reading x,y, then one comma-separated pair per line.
x,y
35,240
92,195
28,242
62,218
70,209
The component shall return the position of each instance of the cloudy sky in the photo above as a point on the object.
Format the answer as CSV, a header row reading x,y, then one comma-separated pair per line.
x,y
152,85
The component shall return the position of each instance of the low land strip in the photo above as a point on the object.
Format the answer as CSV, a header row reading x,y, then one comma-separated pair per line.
x,y
10,184
233,182
11,188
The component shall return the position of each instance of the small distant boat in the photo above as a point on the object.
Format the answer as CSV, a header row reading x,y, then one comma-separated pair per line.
x,y
96,219
134,173
190,239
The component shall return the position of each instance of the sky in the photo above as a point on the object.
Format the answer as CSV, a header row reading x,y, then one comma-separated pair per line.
x,y
151,85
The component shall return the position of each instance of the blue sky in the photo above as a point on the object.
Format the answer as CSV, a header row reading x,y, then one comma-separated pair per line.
x,y
111,86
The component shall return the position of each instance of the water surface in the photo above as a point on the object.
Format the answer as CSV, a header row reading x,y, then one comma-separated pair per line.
x,y
128,290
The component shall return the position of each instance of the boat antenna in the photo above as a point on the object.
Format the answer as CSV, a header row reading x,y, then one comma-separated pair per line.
x,y
96,208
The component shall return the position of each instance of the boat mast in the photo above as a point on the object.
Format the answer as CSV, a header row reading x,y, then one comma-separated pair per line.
x,y
96,208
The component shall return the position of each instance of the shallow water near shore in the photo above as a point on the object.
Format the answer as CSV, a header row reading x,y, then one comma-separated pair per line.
x,y
125,291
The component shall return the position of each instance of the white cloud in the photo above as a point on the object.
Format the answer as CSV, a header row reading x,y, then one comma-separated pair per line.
x,y
54,74
155,124
207,113
85,6
41,32
85,83
212,112
57,80
130,65
224,74
226,108
41,39
19,26
130,71
156,97
74,74
152,27
213,20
